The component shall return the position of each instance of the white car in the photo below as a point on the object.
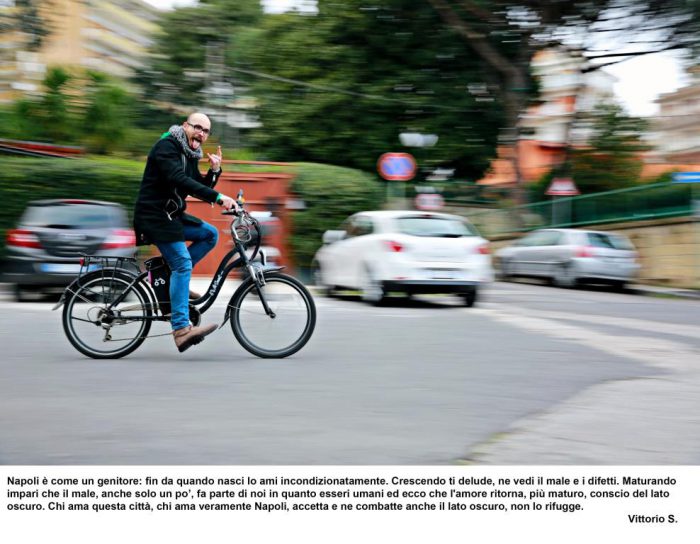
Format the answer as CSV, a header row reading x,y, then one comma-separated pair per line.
x,y
379,252
567,257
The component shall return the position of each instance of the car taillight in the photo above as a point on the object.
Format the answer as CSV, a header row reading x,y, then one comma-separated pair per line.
x,y
22,238
483,249
119,238
584,251
393,246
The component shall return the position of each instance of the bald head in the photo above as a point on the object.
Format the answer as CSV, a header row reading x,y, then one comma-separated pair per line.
x,y
197,127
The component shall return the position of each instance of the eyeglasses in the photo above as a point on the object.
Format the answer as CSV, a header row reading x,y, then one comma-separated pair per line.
x,y
200,128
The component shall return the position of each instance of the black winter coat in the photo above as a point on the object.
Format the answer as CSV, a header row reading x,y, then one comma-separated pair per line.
x,y
169,177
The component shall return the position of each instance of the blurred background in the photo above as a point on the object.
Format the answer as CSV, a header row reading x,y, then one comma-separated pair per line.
x,y
494,100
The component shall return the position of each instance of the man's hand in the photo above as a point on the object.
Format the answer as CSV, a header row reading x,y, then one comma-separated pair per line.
x,y
215,160
228,203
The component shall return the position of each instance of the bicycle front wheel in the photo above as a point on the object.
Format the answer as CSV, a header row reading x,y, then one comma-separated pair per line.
x,y
101,332
287,330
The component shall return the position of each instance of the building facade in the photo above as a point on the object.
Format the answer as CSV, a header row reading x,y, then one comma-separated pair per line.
x,y
567,94
675,135
110,36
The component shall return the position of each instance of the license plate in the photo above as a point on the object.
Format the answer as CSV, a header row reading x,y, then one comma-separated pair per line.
x,y
438,274
60,268
67,268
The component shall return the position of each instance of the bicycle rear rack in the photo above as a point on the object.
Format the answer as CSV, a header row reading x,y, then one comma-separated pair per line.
x,y
92,263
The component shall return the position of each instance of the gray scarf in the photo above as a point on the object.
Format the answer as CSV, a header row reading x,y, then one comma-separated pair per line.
x,y
179,134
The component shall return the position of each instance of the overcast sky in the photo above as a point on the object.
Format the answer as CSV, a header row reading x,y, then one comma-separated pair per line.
x,y
273,6
640,80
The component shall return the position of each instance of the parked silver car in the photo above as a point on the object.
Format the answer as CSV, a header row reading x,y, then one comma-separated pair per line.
x,y
44,250
569,256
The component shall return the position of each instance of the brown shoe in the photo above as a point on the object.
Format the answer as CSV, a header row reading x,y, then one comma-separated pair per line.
x,y
194,295
189,336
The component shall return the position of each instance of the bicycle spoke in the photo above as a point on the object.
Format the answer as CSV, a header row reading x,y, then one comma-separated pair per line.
x,y
85,320
283,334
88,323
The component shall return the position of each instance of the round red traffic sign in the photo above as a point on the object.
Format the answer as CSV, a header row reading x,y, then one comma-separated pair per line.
x,y
396,166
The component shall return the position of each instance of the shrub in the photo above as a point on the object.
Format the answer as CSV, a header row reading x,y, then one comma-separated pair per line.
x,y
330,194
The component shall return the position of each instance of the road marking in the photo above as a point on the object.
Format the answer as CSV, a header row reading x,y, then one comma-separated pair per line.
x,y
647,325
660,353
622,421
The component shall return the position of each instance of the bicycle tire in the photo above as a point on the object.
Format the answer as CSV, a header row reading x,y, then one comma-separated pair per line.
x,y
295,316
88,289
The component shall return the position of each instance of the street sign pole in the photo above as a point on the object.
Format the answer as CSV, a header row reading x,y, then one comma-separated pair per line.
x,y
558,188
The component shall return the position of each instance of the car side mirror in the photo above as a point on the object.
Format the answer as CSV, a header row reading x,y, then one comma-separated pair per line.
x,y
332,236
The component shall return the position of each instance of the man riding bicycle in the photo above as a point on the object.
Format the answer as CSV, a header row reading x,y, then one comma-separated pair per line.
x,y
172,174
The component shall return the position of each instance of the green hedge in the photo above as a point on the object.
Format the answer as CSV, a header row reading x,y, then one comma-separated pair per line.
x,y
330,194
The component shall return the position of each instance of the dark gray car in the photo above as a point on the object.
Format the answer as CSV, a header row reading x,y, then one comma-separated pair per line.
x,y
44,251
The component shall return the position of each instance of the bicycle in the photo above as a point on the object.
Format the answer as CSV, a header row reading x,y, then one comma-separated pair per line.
x,y
109,308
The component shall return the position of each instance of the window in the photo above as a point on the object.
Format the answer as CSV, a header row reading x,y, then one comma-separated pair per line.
x,y
76,216
540,238
429,225
358,226
609,241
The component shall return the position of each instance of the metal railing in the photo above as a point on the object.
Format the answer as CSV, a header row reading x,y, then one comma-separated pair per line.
x,y
631,204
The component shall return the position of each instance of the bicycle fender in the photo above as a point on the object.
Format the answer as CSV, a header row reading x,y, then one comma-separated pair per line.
x,y
68,289
269,269
229,307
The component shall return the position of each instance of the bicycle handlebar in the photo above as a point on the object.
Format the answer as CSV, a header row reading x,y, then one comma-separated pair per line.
x,y
244,217
240,202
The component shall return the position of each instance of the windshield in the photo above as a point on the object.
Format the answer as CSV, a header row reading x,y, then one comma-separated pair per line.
x,y
74,216
429,225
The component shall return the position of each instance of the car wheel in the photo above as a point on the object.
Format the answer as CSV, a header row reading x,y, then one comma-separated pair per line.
x,y
565,275
372,290
24,294
505,270
317,277
620,286
469,298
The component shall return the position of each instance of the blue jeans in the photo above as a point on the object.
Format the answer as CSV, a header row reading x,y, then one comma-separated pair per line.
x,y
181,259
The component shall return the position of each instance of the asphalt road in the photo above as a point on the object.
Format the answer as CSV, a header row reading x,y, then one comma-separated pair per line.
x,y
533,374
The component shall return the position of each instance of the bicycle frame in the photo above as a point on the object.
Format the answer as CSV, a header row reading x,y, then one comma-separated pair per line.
x,y
201,304
115,291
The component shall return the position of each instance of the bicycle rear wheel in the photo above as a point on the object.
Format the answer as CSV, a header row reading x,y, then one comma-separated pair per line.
x,y
98,331
279,336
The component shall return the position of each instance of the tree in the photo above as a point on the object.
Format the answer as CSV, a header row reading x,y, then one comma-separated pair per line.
x,y
612,158
177,70
606,31
107,115
49,117
341,86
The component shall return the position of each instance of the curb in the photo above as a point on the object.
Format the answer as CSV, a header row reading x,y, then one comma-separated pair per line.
x,y
653,291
